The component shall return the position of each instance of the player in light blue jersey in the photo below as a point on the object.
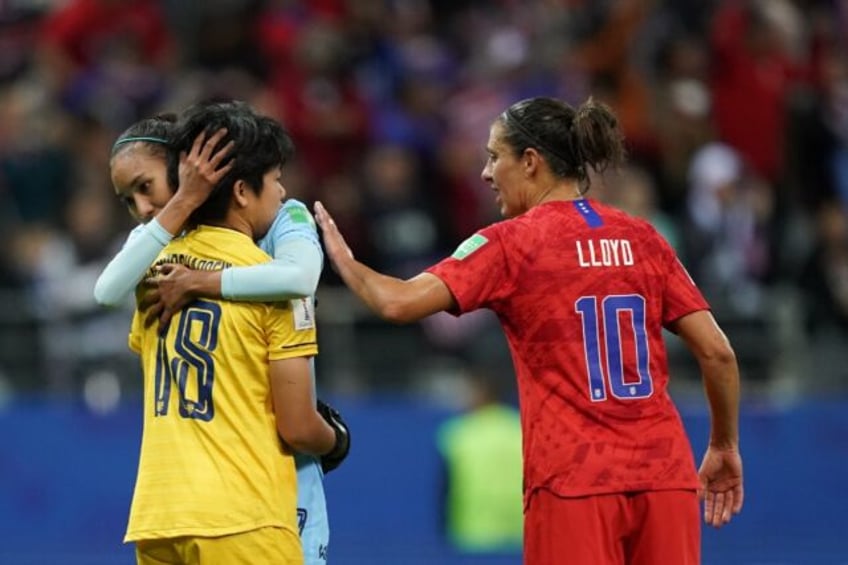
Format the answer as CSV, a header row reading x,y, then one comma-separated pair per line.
x,y
295,222
139,174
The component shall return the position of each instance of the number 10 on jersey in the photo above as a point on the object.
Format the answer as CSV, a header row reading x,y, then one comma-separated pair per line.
x,y
604,323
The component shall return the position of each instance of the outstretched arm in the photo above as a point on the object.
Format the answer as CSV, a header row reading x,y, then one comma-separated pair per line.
x,y
200,171
721,469
396,300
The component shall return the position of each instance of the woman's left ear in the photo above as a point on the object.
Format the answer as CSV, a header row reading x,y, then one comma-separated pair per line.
x,y
530,158
239,193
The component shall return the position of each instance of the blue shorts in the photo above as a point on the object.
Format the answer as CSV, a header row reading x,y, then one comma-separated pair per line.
x,y
312,519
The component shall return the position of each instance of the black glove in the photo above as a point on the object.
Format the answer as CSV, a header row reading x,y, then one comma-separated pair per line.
x,y
334,458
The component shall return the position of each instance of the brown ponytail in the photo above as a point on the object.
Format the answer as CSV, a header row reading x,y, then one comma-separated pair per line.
x,y
571,140
597,136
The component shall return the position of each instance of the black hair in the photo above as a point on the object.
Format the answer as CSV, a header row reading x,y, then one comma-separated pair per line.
x,y
261,143
155,133
569,139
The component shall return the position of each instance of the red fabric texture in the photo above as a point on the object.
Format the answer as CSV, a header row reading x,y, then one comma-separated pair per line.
x,y
620,432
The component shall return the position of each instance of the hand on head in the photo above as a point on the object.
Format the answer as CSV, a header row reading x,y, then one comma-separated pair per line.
x,y
201,168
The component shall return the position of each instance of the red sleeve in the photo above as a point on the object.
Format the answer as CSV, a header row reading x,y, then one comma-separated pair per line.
x,y
478,272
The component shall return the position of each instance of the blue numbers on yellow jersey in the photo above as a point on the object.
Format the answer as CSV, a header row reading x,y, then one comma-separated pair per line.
x,y
611,307
188,363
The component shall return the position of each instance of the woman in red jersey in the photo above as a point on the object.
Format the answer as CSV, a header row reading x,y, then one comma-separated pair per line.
x,y
583,292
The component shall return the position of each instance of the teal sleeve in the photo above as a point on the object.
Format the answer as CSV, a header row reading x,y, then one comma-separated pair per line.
x,y
123,273
293,273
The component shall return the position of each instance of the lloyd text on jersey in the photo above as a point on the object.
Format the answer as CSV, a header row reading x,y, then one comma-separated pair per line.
x,y
604,253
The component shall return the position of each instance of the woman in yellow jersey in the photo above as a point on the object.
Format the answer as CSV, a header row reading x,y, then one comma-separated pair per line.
x,y
225,378
139,174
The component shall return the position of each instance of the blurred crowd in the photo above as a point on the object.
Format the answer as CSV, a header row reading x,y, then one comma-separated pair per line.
x,y
735,112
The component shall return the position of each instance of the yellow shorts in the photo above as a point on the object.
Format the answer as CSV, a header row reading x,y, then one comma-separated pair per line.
x,y
265,545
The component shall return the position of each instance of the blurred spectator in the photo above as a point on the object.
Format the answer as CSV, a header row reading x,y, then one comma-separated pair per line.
x,y
729,210
403,216
466,203
824,278
388,101
834,116
634,191
481,450
683,113
321,105
346,196
69,261
818,144
757,56
34,162
19,29
608,57
218,35
106,57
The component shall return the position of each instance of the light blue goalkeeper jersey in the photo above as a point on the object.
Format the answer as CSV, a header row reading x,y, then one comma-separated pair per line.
x,y
294,220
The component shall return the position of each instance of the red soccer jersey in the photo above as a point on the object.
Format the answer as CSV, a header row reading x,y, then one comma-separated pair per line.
x,y
583,291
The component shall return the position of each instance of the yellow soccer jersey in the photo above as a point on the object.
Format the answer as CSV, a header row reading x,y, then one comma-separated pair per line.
x,y
211,463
